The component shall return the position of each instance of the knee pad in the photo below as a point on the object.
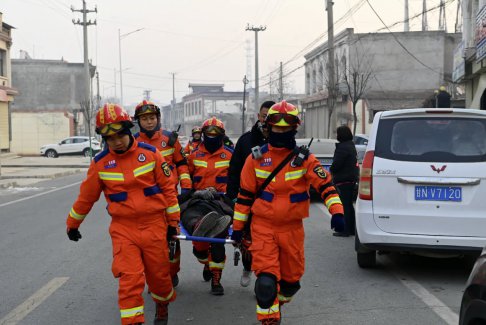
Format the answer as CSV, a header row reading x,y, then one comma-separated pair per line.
x,y
266,289
218,253
201,255
288,289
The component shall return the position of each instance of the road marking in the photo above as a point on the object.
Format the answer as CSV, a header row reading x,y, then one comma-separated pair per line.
x,y
427,298
417,289
38,194
33,301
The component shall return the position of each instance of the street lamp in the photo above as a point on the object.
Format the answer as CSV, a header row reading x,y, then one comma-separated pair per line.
x,y
120,36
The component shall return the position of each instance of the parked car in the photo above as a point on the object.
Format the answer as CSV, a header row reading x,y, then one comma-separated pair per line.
x,y
423,184
473,305
78,145
360,142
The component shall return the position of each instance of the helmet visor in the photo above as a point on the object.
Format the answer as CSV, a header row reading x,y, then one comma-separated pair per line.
x,y
146,109
110,129
213,130
282,119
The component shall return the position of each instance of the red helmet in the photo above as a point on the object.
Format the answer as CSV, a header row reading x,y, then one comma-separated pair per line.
x,y
111,119
146,107
213,126
283,114
196,129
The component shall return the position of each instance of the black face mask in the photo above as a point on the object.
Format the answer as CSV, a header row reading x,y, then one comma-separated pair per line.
x,y
214,143
282,140
151,133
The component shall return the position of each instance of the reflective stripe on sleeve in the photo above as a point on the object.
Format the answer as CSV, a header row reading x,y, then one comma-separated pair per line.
x,y
106,176
76,215
240,216
184,176
166,298
167,152
132,312
144,169
173,208
221,164
283,298
295,174
332,200
201,163
268,311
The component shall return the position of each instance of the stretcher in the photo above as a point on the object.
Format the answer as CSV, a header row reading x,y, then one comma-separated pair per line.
x,y
185,236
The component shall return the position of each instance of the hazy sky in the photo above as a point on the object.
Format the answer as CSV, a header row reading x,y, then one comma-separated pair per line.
x,y
201,41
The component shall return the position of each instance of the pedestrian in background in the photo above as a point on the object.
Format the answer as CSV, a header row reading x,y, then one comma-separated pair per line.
x,y
443,98
257,136
345,171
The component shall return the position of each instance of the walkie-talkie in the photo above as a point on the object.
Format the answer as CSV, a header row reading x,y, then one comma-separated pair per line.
x,y
302,154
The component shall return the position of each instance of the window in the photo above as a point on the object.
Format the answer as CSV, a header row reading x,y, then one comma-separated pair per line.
x,y
3,63
67,141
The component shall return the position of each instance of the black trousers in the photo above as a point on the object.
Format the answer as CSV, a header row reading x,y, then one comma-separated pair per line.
x,y
346,191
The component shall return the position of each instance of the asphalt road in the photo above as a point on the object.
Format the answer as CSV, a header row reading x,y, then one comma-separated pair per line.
x,y
47,279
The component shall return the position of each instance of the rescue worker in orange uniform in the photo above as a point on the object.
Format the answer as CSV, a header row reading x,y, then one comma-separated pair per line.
x,y
142,202
208,165
277,227
195,141
147,114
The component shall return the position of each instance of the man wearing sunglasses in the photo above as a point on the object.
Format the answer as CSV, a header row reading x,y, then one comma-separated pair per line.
x,y
257,136
277,229
208,165
142,202
147,114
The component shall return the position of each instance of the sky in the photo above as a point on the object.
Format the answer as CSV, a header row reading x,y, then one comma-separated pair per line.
x,y
201,41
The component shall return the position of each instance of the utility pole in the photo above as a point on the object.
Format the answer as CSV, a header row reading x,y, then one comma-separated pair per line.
x,y
442,17
146,94
257,89
330,46
114,70
281,82
424,16
98,98
245,82
406,25
120,37
173,103
87,96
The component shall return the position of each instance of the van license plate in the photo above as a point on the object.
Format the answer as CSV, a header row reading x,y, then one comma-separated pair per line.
x,y
438,193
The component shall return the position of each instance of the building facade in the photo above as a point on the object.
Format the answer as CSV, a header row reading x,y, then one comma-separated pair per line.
x,y
52,90
405,67
7,92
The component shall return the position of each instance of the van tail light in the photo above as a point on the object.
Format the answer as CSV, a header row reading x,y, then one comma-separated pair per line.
x,y
366,178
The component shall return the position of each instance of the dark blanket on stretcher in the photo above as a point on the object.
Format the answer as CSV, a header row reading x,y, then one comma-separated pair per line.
x,y
194,209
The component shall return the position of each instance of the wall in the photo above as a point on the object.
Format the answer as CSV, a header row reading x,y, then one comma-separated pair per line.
x,y
34,129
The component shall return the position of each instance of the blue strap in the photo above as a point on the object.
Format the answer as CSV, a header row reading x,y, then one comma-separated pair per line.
x,y
221,179
152,190
267,196
118,197
299,197
196,179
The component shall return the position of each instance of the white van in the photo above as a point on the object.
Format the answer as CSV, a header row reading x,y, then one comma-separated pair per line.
x,y
423,184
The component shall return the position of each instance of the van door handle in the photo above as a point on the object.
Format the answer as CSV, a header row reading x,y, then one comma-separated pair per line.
x,y
439,181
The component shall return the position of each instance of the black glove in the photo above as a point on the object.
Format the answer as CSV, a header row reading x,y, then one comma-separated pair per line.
x,y
337,222
171,232
237,236
74,234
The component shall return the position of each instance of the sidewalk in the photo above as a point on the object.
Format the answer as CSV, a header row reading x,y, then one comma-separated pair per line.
x,y
16,171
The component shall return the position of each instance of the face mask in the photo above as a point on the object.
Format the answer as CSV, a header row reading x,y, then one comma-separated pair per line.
x,y
213,143
282,140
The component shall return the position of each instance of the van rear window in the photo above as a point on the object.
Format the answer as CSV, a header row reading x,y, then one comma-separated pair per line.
x,y
432,139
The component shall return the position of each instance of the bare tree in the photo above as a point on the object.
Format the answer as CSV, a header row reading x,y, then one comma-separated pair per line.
x,y
356,77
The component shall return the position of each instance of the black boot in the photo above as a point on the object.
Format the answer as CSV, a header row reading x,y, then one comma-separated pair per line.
x,y
161,314
206,273
216,287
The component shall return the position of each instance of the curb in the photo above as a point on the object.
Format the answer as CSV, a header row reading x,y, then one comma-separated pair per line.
x,y
38,177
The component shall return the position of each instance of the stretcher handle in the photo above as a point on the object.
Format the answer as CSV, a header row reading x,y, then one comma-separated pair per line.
x,y
205,239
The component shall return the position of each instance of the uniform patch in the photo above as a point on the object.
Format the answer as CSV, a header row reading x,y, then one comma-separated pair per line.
x,y
141,157
266,162
223,155
110,164
200,154
320,172
165,169
164,144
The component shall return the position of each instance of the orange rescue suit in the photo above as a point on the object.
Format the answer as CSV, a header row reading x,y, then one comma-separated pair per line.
x,y
209,169
142,201
174,155
276,224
